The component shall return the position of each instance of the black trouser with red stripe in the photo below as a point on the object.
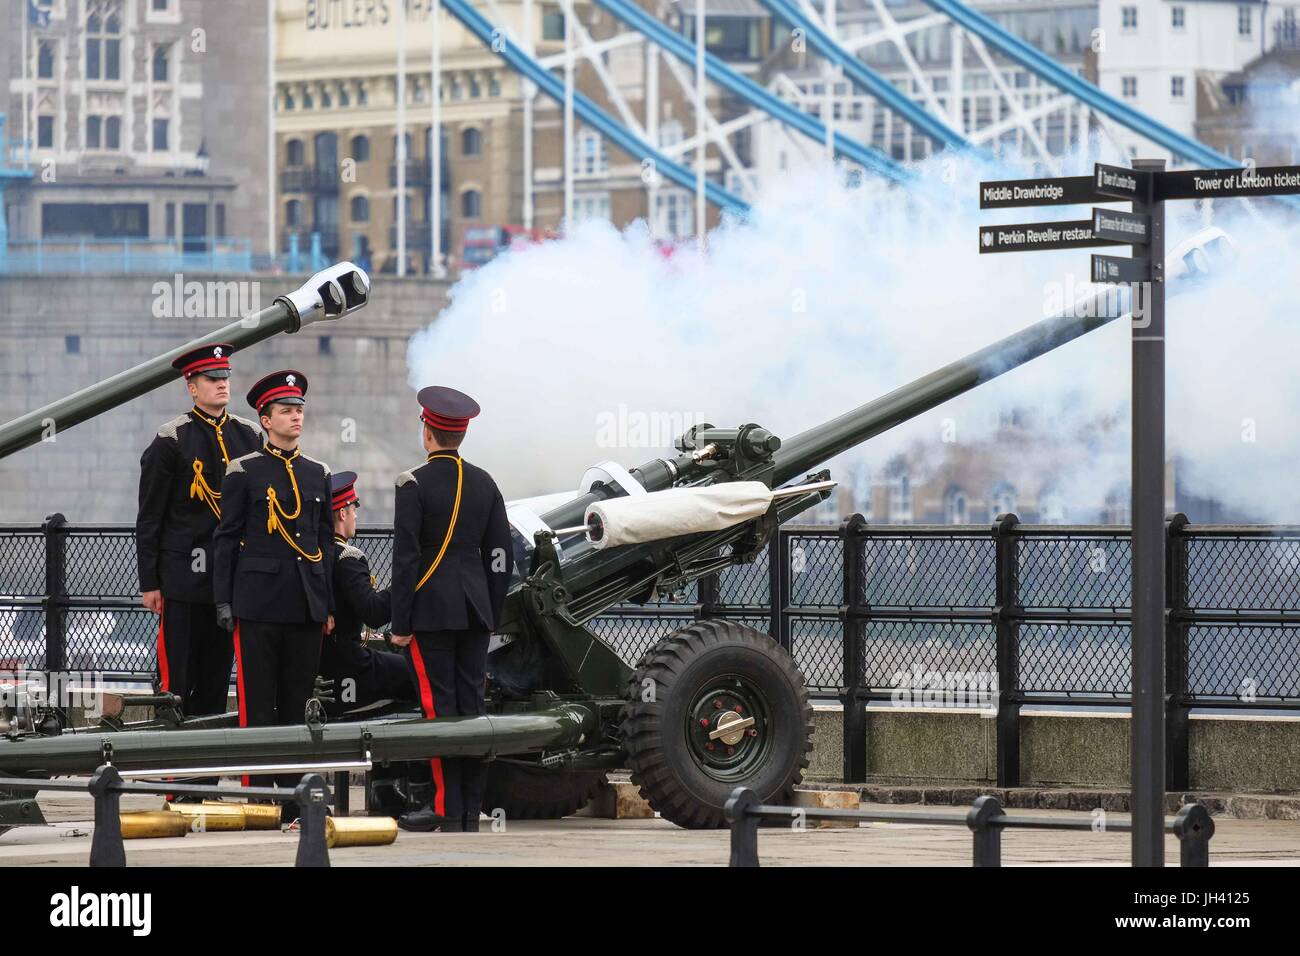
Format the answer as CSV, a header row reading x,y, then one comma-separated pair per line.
x,y
276,667
194,657
450,673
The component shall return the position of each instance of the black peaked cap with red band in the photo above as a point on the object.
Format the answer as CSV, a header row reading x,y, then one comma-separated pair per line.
x,y
210,360
446,408
342,489
287,387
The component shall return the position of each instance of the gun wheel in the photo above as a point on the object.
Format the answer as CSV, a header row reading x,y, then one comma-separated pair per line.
x,y
711,707
527,792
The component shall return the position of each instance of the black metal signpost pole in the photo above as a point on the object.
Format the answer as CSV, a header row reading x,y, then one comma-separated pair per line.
x,y
1148,502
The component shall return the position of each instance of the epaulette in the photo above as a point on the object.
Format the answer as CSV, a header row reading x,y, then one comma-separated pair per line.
x,y
405,478
252,425
169,430
236,464
351,552
315,462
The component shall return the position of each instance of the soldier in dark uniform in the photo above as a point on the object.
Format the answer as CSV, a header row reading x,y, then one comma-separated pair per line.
x,y
181,476
451,572
274,563
361,676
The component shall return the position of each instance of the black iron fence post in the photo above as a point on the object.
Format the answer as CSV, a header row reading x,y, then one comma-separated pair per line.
x,y
987,837
1177,711
778,587
852,614
55,529
1006,616
106,847
1194,827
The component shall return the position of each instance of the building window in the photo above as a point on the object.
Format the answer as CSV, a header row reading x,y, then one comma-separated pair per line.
x,y
360,209
674,213
592,159
956,507
221,220
361,149
160,58
900,499
325,100
1178,17
1245,21
293,213
590,206
45,132
494,85
1002,501
169,214
307,102
45,61
475,91
160,136
406,143
294,152
670,134
471,204
471,142
103,47
344,98
1176,87
289,103
323,345
457,91
161,6
103,133
1129,18
362,96
72,344
552,25
1129,87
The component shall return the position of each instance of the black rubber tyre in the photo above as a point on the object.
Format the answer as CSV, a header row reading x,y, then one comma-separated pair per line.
x,y
532,793
703,669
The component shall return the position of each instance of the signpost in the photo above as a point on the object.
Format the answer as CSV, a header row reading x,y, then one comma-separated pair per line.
x,y
1147,186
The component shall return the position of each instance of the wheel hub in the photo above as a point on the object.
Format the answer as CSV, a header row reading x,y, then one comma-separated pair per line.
x,y
728,728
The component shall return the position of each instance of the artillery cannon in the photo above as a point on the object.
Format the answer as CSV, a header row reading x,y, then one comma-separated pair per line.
x,y
708,707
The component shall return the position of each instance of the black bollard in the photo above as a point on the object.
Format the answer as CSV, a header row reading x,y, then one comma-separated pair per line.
x,y
988,838
1193,826
106,848
312,796
744,827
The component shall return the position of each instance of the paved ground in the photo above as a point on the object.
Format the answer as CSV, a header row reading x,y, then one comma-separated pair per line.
x,y
580,841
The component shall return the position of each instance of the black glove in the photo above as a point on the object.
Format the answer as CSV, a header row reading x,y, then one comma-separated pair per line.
x,y
226,618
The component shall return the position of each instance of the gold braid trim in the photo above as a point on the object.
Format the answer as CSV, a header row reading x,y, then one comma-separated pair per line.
x,y
199,487
276,516
455,512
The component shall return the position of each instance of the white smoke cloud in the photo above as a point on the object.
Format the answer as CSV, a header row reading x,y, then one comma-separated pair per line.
x,y
828,296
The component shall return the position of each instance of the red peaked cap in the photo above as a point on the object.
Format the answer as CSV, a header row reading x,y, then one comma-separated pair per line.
x,y
446,408
342,490
212,360
287,387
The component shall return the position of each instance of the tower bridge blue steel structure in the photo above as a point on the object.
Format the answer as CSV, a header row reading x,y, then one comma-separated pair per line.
x,y
858,72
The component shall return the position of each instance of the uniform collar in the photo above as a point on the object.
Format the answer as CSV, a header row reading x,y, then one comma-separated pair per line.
x,y
339,539
203,416
442,454
280,452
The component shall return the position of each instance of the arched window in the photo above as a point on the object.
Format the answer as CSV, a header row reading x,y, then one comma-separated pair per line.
x,y
471,141
471,202
1002,500
956,507
360,209
361,148
293,213
294,152
406,142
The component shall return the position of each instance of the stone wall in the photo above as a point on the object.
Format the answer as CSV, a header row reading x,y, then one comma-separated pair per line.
x,y
59,334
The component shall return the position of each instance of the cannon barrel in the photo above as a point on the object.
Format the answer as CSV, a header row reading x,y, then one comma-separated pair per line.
x,y
329,294
817,445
